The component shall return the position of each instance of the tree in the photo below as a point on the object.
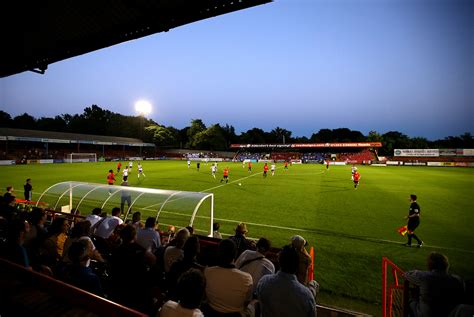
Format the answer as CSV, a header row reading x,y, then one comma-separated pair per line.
x,y
210,139
24,121
374,136
5,119
196,127
280,135
229,135
57,124
254,136
162,136
394,140
324,135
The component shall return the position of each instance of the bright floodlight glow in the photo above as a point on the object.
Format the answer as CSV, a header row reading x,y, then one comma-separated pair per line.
x,y
143,107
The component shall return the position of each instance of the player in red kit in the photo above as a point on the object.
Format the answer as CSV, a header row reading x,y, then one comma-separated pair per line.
x,y
356,179
110,179
265,170
119,166
225,176
249,169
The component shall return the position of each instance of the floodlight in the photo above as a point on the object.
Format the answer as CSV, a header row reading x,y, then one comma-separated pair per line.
x,y
143,107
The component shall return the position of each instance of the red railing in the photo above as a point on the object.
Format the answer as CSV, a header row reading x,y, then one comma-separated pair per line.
x,y
387,295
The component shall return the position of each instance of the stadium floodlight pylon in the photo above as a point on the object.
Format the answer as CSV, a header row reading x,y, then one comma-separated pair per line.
x,y
169,207
81,157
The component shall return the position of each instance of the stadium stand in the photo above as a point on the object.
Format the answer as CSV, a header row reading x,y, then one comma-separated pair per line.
x,y
22,145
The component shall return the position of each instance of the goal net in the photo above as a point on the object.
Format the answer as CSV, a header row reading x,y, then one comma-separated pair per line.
x,y
168,207
81,157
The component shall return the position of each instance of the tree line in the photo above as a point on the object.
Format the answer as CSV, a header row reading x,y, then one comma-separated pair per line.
x,y
215,137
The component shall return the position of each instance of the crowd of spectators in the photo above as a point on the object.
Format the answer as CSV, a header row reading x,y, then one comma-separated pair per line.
x,y
130,263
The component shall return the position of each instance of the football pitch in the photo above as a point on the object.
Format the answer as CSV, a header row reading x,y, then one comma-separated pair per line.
x,y
350,230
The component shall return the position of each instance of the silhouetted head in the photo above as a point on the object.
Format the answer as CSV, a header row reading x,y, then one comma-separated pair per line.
x,y
191,288
226,252
288,259
263,245
438,262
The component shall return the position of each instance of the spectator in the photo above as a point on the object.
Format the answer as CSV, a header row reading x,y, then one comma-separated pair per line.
x,y
255,263
241,241
281,294
304,263
14,249
190,292
37,234
190,229
81,232
216,234
148,237
106,226
440,291
51,249
137,220
8,209
10,192
228,289
174,252
129,271
79,273
94,217
190,250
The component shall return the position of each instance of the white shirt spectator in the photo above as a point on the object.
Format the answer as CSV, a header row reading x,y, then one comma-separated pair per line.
x,y
148,238
228,289
254,263
173,309
107,226
93,219
172,254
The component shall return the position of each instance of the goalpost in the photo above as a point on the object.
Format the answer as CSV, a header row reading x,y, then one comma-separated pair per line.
x,y
81,157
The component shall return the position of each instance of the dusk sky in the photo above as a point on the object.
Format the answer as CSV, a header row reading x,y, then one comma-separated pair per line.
x,y
303,65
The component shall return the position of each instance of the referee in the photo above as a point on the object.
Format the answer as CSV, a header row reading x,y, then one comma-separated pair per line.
x,y
413,221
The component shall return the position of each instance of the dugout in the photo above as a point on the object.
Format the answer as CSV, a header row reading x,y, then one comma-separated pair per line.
x,y
169,207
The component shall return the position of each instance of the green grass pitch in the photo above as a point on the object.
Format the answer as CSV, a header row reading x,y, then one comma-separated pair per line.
x,y
350,229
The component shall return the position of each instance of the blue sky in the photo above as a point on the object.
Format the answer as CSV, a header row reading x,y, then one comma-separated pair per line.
x,y
303,65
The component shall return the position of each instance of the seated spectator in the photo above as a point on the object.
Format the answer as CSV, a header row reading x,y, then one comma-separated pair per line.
x,y
190,229
129,271
137,220
228,289
9,193
440,291
174,252
14,250
304,263
79,273
37,228
216,234
8,210
190,250
255,263
105,227
148,237
51,249
241,241
190,292
94,217
81,232
281,294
